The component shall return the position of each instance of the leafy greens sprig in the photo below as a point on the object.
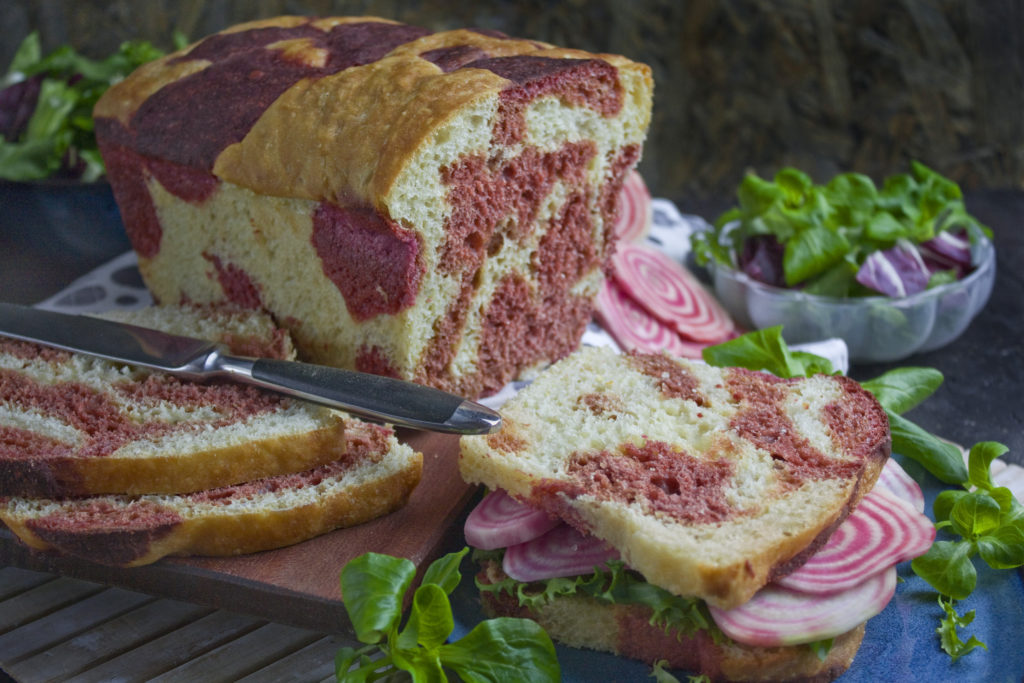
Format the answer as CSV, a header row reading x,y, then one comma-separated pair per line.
x,y
987,519
374,587
984,520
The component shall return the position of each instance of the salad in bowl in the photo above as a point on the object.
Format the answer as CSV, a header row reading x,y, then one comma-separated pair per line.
x,y
893,270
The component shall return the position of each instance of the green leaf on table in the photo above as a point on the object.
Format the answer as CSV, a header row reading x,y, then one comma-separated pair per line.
x,y
503,649
430,619
444,571
975,514
947,568
901,389
1003,548
944,503
373,587
948,636
765,350
941,458
979,462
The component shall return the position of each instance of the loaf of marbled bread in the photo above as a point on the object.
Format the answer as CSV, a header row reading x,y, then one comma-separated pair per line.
x,y
434,206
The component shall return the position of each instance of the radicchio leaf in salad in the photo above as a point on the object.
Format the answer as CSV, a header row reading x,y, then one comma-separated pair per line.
x,y
846,238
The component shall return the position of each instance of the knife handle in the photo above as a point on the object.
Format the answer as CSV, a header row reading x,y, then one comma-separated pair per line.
x,y
383,399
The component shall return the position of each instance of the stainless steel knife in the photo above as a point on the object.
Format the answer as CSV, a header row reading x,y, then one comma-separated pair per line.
x,y
383,399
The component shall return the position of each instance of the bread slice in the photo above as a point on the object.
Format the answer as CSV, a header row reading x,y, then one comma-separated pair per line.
x,y
581,621
710,482
375,476
74,425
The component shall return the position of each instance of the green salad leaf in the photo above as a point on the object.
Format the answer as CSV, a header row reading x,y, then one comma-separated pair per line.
x,y
947,631
61,89
374,587
766,350
611,584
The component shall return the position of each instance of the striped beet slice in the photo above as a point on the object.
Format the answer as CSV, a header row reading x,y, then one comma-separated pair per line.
x,y
634,329
670,293
634,219
896,481
882,531
780,616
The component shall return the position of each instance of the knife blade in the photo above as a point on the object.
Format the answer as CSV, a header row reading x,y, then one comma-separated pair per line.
x,y
378,398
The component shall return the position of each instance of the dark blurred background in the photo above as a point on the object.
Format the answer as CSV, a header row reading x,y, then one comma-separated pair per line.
x,y
824,85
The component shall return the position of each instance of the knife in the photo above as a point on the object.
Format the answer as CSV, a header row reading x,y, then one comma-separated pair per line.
x,y
383,399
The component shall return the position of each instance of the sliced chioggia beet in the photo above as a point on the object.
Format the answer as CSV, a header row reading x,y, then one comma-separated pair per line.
x,y
634,219
781,616
881,532
499,520
563,551
898,271
634,329
896,481
669,292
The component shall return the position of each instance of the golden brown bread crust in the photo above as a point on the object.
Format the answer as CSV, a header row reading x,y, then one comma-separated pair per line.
x,y
175,472
624,630
293,149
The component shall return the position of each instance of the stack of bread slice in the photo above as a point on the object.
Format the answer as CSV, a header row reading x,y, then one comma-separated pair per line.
x,y
123,466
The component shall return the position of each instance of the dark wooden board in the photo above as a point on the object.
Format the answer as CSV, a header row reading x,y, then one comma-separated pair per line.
x,y
299,584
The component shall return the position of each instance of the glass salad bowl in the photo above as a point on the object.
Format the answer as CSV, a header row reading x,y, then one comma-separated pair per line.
x,y
875,328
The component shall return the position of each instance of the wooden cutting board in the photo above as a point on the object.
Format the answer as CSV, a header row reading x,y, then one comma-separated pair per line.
x,y
299,584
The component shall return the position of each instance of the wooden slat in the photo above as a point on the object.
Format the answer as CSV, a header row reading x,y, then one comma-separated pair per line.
x,y
14,580
108,640
43,599
315,662
58,626
242,656
172,649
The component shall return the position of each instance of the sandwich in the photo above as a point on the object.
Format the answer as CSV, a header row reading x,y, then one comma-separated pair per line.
x,y
725,521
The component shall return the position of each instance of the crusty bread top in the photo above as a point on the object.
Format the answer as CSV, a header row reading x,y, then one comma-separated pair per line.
x,y
391,88
708,481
